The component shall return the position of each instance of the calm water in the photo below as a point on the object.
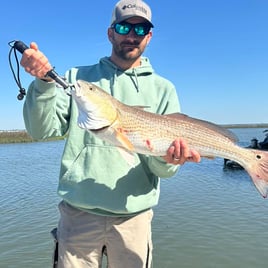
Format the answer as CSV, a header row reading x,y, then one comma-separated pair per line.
x,y
207,217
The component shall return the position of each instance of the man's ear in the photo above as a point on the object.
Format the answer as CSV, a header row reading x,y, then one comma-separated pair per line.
x,y
149,36
110,34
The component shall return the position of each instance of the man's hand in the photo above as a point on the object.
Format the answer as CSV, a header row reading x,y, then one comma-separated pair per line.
x,y
35,62
179,153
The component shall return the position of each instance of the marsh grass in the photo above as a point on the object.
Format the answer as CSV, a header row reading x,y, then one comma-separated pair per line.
x,y
19,136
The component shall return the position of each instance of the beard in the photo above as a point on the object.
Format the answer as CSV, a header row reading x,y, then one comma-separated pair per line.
x,y
128,51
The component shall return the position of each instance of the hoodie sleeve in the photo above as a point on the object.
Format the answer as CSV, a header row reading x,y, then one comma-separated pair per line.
x,y
159,167
46,110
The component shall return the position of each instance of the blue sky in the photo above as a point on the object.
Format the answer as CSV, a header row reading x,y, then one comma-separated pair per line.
x,y
214,51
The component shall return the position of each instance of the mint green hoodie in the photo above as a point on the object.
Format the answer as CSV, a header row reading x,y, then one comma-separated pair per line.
x,y
94,176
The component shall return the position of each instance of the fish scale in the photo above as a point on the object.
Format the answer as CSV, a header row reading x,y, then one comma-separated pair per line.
x,y
146,130
138,131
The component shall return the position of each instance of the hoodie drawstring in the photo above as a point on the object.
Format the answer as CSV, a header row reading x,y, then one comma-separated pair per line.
x,y
136,83
133,77
113,81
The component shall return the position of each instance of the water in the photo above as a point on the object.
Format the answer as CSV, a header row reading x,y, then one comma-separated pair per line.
x,y
207,217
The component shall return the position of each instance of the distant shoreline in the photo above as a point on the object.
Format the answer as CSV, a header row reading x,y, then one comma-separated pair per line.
x,y
21,136
257,125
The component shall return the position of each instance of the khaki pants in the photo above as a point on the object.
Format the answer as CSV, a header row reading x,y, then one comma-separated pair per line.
x,y
84,237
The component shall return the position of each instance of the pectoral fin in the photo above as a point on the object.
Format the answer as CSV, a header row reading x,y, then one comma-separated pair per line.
x,y
128,156
128,148
123,139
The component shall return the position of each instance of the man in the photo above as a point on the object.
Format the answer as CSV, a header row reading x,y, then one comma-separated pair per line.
x,y
106,203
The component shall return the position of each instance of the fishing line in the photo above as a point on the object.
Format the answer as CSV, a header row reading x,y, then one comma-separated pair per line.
x,y
16,75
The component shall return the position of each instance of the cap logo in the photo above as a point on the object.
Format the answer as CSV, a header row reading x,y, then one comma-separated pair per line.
x,y
140,8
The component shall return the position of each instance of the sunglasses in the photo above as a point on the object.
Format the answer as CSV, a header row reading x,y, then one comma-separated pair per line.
x,y
140,29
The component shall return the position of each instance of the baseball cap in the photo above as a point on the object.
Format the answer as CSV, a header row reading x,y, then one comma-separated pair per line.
x,y
126,9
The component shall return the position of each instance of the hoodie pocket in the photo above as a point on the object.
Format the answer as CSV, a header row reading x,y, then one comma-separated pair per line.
x,y
104,164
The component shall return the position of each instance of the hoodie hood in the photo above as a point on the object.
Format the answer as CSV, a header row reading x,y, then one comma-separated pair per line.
x,y
143,70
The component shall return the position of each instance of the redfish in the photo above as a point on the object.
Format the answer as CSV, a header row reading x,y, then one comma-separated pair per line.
x,y
138,131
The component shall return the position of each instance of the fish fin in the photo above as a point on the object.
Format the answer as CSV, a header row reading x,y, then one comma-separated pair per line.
x,y
128,156
224,131
258,171
262,187
123,139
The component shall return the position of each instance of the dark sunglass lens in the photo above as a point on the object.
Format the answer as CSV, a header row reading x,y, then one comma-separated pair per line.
x,y
142,29
122,28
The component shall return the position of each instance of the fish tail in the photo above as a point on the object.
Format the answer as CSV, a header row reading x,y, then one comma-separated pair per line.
x,y
258,170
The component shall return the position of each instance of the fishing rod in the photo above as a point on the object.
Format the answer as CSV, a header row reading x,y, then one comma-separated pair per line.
x,y
21,47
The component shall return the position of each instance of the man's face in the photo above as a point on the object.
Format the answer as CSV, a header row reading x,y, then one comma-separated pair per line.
x,y
129,47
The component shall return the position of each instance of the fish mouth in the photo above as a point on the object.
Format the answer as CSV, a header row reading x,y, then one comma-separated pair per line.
x,y
77,89
78,84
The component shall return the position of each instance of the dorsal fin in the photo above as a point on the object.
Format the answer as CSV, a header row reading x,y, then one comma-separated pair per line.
x,y
224,131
